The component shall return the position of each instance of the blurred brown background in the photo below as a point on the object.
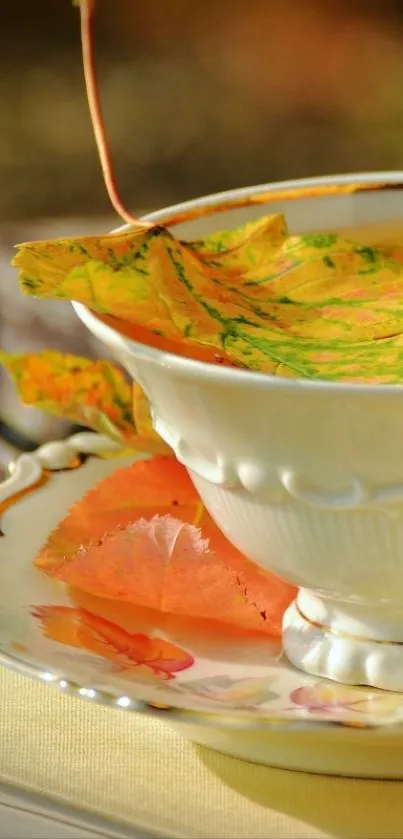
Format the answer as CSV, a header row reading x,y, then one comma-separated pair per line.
x,y
198,97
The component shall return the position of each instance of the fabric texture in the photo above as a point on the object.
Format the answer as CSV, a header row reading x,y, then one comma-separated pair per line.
x,y
136,770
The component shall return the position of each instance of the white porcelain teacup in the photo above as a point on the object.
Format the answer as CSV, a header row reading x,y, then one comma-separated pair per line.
x,y
305,477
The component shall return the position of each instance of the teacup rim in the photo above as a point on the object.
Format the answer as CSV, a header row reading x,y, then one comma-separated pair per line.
x,y
216,373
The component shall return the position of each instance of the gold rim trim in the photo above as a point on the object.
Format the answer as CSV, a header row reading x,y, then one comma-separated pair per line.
x,y
339,634
22,493
78,461
275,195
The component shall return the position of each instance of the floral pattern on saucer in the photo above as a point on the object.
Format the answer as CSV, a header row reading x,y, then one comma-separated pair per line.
x,y
140,658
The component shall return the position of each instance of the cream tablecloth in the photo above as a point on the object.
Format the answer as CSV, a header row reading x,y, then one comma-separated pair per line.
x,y
137,771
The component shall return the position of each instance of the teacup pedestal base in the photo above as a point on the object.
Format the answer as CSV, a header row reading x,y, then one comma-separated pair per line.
x,y
350,643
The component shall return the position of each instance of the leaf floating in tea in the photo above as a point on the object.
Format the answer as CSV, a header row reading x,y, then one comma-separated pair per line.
x,y
317,306
148,278
133,539
91,393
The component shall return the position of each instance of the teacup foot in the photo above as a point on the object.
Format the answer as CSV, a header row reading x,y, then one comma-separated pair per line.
x,y
348,643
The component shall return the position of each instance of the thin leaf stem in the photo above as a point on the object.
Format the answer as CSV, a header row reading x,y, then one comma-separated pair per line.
x,y
98,124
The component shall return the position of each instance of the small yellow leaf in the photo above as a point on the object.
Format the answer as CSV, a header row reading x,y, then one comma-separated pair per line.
x,y
91,393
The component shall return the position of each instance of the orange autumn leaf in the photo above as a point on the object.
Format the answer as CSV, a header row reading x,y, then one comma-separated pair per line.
x,y
132,539
80,628
141,490
92,393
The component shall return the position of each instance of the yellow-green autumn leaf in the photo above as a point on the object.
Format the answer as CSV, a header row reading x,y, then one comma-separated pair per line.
x,y
317,306
91,393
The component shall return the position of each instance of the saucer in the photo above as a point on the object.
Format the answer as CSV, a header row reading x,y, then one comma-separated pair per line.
x,y
234,692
